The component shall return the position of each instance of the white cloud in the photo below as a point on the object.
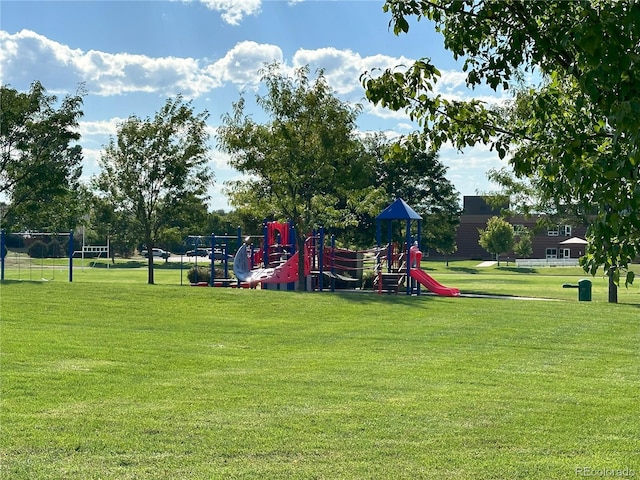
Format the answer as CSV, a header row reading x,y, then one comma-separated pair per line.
x,y
27,54
409,127
241,64
467,170
26,51
343,68
220,162
91,161
100,127
381,112
233,11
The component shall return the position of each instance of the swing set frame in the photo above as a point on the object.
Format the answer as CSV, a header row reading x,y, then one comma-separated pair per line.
x,y
70,250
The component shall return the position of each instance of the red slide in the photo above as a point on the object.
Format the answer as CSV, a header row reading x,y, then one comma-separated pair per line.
x,y
428,281
288,271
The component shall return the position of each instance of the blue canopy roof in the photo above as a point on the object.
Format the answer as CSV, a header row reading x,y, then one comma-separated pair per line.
x,y
399,210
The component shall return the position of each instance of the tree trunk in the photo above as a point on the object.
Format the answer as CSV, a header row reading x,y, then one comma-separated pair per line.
x,y
613,288
150,276
150,279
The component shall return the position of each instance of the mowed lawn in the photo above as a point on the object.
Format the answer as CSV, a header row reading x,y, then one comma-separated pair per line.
x,y
106,379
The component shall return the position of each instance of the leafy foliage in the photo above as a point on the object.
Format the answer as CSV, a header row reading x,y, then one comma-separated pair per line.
x,y
40,159
153,166
498,237
300,161
199,274
577,136
524,244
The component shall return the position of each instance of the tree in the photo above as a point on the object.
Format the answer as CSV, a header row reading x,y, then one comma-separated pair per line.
x,y
153,165
40,159
414,173
407,169
190,217
444,237
524,245
497,238
577,135
300,161
107,221
59,212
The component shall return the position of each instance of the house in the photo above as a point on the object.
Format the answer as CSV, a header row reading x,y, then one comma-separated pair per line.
x,y
547,244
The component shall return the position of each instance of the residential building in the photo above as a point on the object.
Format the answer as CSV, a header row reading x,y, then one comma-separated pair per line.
x,y
546,244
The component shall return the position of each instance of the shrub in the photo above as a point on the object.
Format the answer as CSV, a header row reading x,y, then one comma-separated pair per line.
x,y
367,279
54,249
199,274
203,274
14,241
38,249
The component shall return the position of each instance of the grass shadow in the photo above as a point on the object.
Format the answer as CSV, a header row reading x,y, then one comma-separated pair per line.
x,y
15,282
131,264
367,297
517,269
469,270
118,265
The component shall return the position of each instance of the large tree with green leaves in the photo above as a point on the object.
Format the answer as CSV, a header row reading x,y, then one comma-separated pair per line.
x,y
577,134
301,160
405,168
414,173
154,166
40,157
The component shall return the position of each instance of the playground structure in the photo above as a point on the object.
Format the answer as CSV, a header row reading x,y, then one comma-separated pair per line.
x,y
220,248
271,259
403,266
275,262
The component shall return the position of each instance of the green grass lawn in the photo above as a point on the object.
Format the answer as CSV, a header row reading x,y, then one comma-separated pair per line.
x,y
465,275
108,377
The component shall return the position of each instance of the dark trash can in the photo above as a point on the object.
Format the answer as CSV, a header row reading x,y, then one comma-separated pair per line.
x,y
584,290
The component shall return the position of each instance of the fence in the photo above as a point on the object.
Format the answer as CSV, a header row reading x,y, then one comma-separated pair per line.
x,y
546,262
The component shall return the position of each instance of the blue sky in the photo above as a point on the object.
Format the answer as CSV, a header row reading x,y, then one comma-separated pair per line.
x,y
133,55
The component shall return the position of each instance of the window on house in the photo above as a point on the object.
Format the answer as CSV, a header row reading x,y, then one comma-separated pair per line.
x,y
552,253
559,231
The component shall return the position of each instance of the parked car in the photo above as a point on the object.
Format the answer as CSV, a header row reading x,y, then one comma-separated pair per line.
x,y
157,252
198,252
219,255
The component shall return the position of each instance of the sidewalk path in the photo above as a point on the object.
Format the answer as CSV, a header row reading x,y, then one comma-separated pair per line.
x,y
486,264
